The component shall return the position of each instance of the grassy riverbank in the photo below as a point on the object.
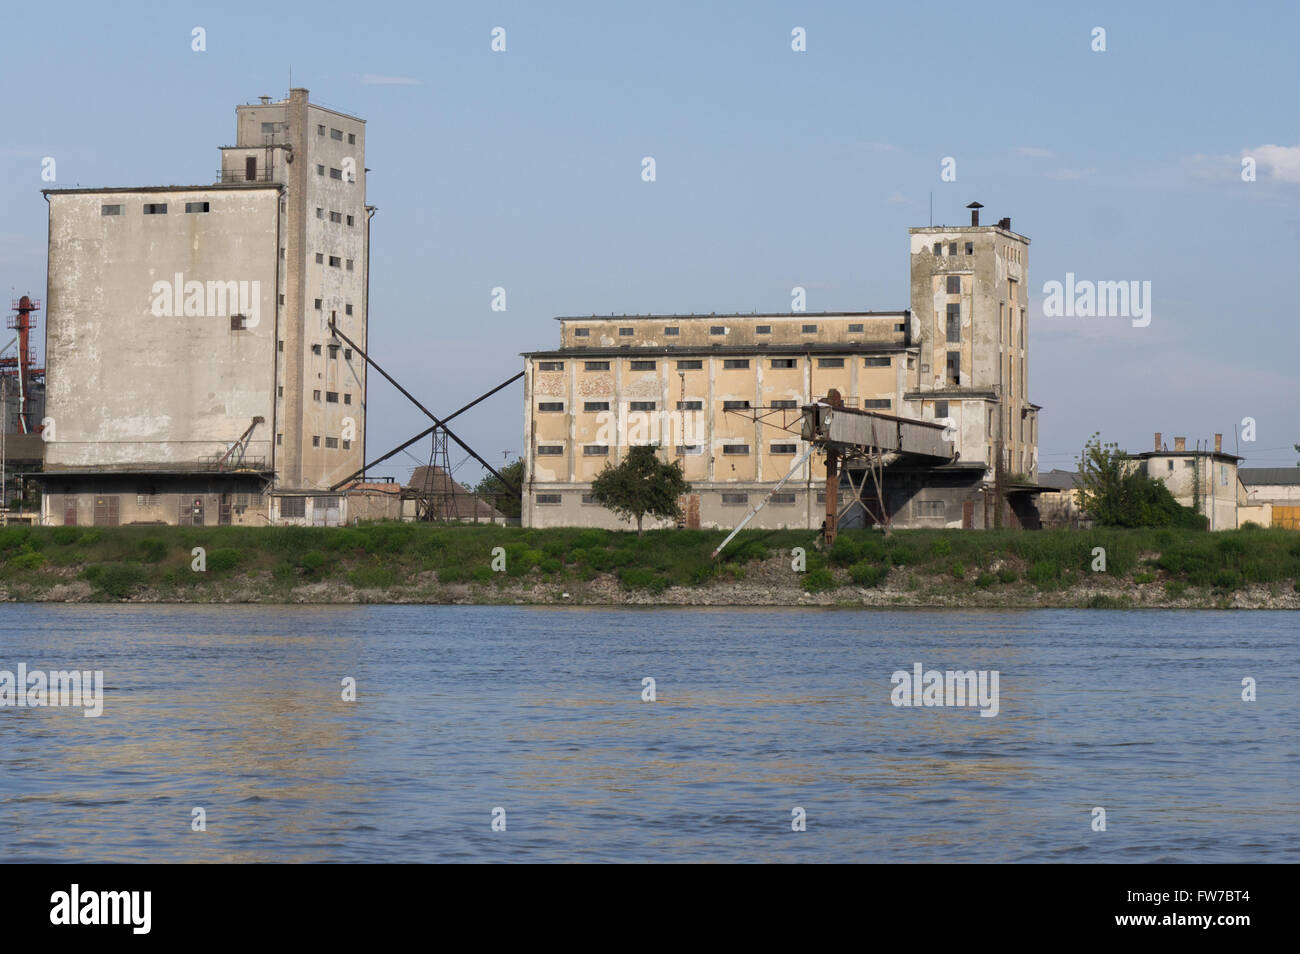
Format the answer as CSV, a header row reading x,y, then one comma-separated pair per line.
x,y
425,563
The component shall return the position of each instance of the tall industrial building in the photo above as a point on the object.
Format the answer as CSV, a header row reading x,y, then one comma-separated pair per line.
x,y
721,394
192,376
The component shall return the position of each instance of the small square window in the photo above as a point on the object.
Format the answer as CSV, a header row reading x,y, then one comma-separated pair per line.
x,y
625,332
347,354
320,213
763,329
320,170
336,173
238,322
335,261
855,329
670,331
336,134
347,309
315,441
808,330
320,258
352,139
717,330
581,332
315,349
350,220
332,442
347,398
347,445
318,304
336,217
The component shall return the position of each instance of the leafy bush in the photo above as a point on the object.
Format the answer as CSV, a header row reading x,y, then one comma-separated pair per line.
x,y
819,580
643,579
374,577
454,574
226,558
958,571
118,580
941,547
28,560
868,574
1007,575
1141,578
1175,588
65,536
985,580
1044,572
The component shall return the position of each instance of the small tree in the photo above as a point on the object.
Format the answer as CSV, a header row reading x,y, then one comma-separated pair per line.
x,y
641,484
1118,493
501,496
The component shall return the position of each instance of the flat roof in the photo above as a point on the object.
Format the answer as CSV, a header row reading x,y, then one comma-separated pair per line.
x,y
132,471
223,187
737,315
936,229
1184,453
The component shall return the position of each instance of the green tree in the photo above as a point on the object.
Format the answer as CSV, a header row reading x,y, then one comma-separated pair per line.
x,y
498,494
641,484
1119,493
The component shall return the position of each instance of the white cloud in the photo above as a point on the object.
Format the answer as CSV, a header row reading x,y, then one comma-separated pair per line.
x,y
370,79
1282,162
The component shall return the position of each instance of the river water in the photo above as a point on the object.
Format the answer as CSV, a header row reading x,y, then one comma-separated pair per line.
x,y
539,712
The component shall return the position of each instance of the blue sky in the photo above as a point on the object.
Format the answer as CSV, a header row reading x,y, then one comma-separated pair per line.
x,y
774,169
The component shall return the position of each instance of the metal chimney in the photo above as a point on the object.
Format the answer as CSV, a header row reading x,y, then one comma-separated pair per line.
x,y
974,213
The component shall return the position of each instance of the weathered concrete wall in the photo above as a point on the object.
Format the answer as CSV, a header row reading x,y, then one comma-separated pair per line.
x,y
135,373
71,500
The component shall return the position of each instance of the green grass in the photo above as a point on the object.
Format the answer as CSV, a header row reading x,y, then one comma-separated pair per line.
x,y
119,562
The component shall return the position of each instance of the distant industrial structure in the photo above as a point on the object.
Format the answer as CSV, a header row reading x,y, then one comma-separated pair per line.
x,y
1204,480
195,376
1272,496
725,395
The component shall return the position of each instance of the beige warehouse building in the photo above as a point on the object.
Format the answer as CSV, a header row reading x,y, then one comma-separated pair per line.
x,y
721,394
192,376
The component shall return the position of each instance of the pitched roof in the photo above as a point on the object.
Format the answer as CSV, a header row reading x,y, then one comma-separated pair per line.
x,y
1059,479
1255,476
451,499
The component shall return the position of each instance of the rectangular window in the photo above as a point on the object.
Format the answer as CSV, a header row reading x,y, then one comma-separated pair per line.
x,y
642,365
785,404
595,366
954,284
940,408
320,130
280,298
347,354
938,248
347,309
315,395
550,365
735,364
110,210
690,450
782,499
763,330
336,173
352,139
641,406
548,500
785,362
952,248
735,405
591,407
877,362
269,128
588,498
671,331
318,303
197,206
250,168
347,445
335,261
855,329
595,450
155,208
735,499
238,322
970,248
331,397
315,349
293,506
320,213
347,398
279,391
954,322
625,332
581,332
336,217
320,170
784,448
954,367
690,364
332,443
717,330
690,405
735,450
315,441
336,134
350,220
808,329
550,450
550,407
877,404
830,362
320,258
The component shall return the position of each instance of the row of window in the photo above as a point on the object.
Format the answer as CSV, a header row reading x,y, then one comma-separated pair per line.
x,y
596,407
335,261
330,442
672,330
697,364
331,397
155,208
729,450
335,134
316,349
952,248
336,217
334,173
319,304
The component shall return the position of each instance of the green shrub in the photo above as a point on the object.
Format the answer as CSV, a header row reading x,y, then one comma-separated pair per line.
x,y
226,558
374,577
65,536
1227,580
868,574
636,577
958,571
28,560
1007,575
456,574
1175,588
819,580
118,580
985,580
1044,572
152,549
284,573
313,561
88,538
1141,578
482,574
941,547
845,550
11,538
551,565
